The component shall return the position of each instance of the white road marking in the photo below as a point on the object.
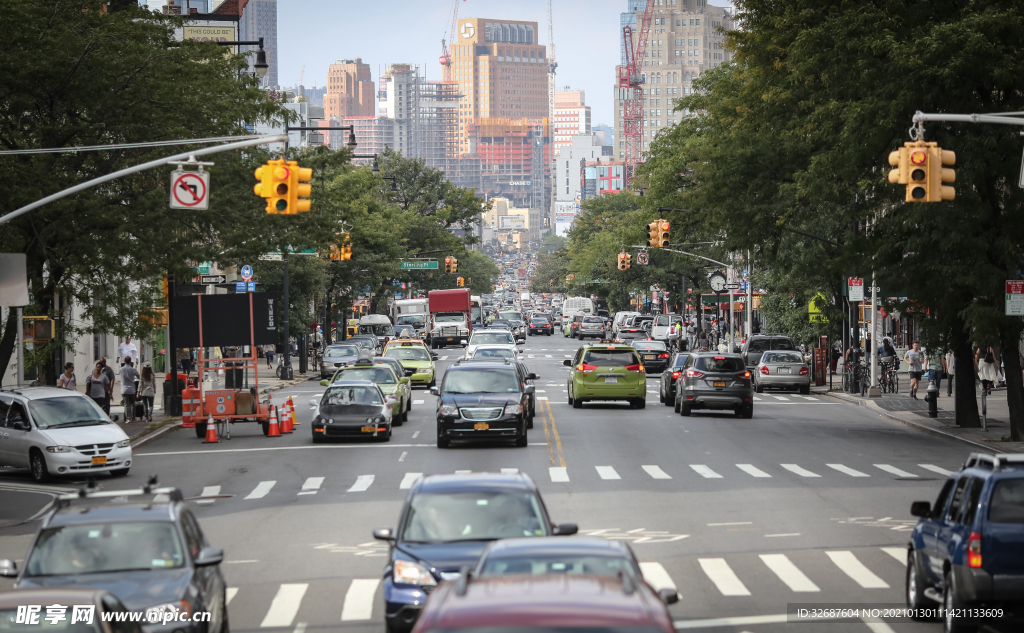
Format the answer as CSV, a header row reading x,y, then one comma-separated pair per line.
x,y
540,391
261,491
731,523
359,599
548,356
443,358
311,485
300,627
208,491
751,470
230,594
362,483
417,402
509,471
756,399
722,575
779,535
793,468
657,473
738,620
415,435
285,605
409,480
558,474
899,553
846,470
878,626
936,469
809,398
848,563
607,472
704,471
780,397
403,456
463,472
788,573
656,575
895,471
542,397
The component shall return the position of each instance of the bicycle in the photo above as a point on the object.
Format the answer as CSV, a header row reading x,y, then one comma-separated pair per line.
x,y
890,380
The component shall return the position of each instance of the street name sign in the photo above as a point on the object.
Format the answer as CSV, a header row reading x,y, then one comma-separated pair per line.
x,y
418,266
856,285
733,285
190,189
1014,297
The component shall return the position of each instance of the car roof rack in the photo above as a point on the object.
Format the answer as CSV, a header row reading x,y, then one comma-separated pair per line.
x,y
91,491
992,461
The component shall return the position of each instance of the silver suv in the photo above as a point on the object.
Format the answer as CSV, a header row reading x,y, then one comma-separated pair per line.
x,y
711,380
55,431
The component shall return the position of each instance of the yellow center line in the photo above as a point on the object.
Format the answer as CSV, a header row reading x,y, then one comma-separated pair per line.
x,y
547,435
558,439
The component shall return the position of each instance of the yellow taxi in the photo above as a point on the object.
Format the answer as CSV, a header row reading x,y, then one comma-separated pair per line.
x,y
405,342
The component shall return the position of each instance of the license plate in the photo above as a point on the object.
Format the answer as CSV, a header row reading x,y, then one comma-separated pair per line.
x,y
611,379
480,426
783,370
99,461
368,429
648,356
719,383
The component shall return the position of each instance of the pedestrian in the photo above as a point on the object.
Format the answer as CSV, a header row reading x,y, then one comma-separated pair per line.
x,y
97,386
949,369
915,362
128,377
988,371
935,369
128,349
268,350
755,328
111,375
67,379
702,340
147,391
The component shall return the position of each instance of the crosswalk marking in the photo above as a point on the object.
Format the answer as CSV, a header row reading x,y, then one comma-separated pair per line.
x,y
409,480
607,472
230,594
559,474
936,469
509,471
443,358
548,356
848,563
463,472
809,398
285,605
781,398
899,553
656,472
359,599
788,573
895,471
704,471
417,402
208,491
261,490
656,576
723,576
793,468
756,399
846,470
752,471
542,397
311,485
362,483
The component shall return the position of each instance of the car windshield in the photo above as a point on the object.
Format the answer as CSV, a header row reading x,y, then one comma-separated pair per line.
x,y
368,343
53,413
651,345
782,343
378,329
415,320
494,352
379,375
680,360
610,358
407,353
510,316
492,338
341,396
449,318
593,319
1007,505
392,363
569,563
720,363
10,622
757,346
335,351
105,547
781,357
484,515
478,380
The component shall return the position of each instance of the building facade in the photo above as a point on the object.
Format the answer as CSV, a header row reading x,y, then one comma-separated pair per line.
x,y
508,158
350,90
572,117
569,179
424,115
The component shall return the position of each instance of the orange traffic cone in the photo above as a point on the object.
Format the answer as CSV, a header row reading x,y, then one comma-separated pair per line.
x,y
211,432
286,423
274,430
291,409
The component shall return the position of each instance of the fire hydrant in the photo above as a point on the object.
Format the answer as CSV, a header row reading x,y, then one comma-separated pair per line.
x,y
932,398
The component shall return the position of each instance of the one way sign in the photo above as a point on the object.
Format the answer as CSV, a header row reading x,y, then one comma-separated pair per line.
x,y
212,279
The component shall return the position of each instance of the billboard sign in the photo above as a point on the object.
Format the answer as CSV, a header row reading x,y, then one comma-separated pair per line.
x,y
224,33
511,221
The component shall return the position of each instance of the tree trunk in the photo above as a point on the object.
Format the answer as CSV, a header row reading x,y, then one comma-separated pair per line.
x,y
8,341
965,397
1014,387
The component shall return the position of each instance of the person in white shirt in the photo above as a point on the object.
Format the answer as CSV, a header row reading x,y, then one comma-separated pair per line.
x,y
128,377
128,349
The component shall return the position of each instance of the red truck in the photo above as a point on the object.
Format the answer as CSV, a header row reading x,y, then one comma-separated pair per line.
x,y
449,317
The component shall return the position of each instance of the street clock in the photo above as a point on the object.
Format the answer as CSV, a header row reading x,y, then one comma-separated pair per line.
x,y
717,281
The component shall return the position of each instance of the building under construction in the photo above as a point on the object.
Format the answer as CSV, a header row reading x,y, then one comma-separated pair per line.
x,y
509,158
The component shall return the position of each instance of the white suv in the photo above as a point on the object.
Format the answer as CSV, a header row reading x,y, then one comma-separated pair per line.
x,y
55,431
491,338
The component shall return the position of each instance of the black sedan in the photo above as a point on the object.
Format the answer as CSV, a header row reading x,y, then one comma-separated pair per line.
x,y
351,408
653,355
482,401
541,325
669,378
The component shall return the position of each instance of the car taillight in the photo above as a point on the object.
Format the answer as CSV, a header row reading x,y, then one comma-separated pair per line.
x,y
693,373
663,355
974,550
764,370
745,375
676,374
636,367
583,367
803,371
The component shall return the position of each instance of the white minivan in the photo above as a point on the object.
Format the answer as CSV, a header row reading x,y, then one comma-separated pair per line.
x,y
376,324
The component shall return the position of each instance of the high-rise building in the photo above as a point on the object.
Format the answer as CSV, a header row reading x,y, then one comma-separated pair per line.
x,y
259,19
510,158
572,117
425,115
350,90
685,39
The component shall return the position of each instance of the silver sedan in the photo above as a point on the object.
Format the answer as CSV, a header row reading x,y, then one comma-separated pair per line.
x,y
782,370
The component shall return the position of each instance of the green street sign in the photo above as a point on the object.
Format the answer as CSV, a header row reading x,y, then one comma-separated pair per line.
x,y
203,268
597,281
418,265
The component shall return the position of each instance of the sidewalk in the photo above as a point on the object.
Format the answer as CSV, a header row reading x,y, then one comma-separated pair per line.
x,y
914,413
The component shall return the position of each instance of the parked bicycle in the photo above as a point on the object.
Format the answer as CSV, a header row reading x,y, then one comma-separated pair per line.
x,y
889,381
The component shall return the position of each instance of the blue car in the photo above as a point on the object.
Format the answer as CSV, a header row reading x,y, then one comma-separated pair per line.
x,y
965,562
447,520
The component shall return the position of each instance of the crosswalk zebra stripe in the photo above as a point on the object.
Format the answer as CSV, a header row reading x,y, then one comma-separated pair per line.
x,y
359,599
363,482
895,471
751,470
719,572
899,553
607,472
656,472
230,594
788,573
781,398
285,605
846,470
208,491
417,402
793,468
704,471
848,563
261,490
936,469
311,485
559,474
656,576
509,471
409,480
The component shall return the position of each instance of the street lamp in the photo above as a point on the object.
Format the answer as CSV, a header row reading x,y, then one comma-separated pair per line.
x,y
261,67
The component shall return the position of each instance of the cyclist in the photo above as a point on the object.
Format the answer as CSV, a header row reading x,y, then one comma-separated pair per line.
x,y
887,359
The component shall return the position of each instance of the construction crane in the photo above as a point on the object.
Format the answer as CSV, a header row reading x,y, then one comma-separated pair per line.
x,y
631,89
552,65
446,58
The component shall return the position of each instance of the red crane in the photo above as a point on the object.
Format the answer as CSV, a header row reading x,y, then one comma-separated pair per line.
x,y
631,89
446,59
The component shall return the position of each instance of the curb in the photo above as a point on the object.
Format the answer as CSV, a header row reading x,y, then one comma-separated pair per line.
x,y
149,437
916,425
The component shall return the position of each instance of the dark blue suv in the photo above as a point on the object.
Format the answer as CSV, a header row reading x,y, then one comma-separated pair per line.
x,y
446,522
966,554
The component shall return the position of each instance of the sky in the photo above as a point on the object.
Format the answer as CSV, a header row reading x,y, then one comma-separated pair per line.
x,y
314,33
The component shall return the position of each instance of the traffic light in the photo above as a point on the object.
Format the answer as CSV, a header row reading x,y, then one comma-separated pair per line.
x,y
663,236
37,329
335,254
455,265
625,259
919,166
280,183
652,234
460,282
447,264
298,175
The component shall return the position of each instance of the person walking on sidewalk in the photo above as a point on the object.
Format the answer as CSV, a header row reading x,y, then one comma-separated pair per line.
x,y
915,362
108,371
935,369
147,391
128,377
268,351
67,379
987,370
949,367
97,387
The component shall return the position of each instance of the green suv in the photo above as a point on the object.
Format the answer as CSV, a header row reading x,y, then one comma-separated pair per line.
x,y
606,372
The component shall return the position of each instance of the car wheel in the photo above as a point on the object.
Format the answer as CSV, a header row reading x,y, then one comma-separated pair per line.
x,y
577,403
40,473
684,410
669,399
394,626
951,605
266,426
747,411
120,472
661,395
758,388
442,442
677,404
523,439
529,422
641,403
805,389
915,587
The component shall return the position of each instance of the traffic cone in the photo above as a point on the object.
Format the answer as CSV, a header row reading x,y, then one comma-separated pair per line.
x,y
291,408
211,432
274,430
286,423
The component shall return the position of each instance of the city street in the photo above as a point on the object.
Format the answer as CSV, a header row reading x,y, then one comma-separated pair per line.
x,y
808,502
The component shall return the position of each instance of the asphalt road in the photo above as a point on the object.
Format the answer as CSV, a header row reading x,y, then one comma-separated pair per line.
x,y
808,502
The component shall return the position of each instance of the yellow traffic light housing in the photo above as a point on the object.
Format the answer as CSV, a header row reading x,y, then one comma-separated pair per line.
x,y
663,233
447,264
455,265
625,259
460,282
37,329
652,234
919,166
298,175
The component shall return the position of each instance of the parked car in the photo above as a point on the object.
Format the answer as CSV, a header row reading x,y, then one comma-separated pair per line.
x,y
785,370
967,550
755,346
712,380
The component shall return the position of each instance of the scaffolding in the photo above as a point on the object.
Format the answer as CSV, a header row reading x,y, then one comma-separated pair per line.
x,y
425,116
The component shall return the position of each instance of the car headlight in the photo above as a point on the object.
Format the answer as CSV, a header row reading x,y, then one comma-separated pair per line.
x,y
410,573
124,443
156,614
513,408
449,409
59,449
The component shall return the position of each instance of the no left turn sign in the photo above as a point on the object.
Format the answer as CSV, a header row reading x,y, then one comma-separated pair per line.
x,y
190,190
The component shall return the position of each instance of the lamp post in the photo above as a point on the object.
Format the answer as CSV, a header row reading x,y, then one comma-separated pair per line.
x,y
260,67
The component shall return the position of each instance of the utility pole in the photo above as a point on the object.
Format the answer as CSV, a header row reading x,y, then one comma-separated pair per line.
x,y
750,297
552,65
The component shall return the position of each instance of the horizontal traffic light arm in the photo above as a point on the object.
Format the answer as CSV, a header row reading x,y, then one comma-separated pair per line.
x,y
671,250
1004,119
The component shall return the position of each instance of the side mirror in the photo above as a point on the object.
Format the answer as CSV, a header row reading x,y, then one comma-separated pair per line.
x,y
529,390
313,403
433,356
8,568
566,529
433,391
567,362
384,534
668,596
324,383
532,376
921,508
403,380
209,556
